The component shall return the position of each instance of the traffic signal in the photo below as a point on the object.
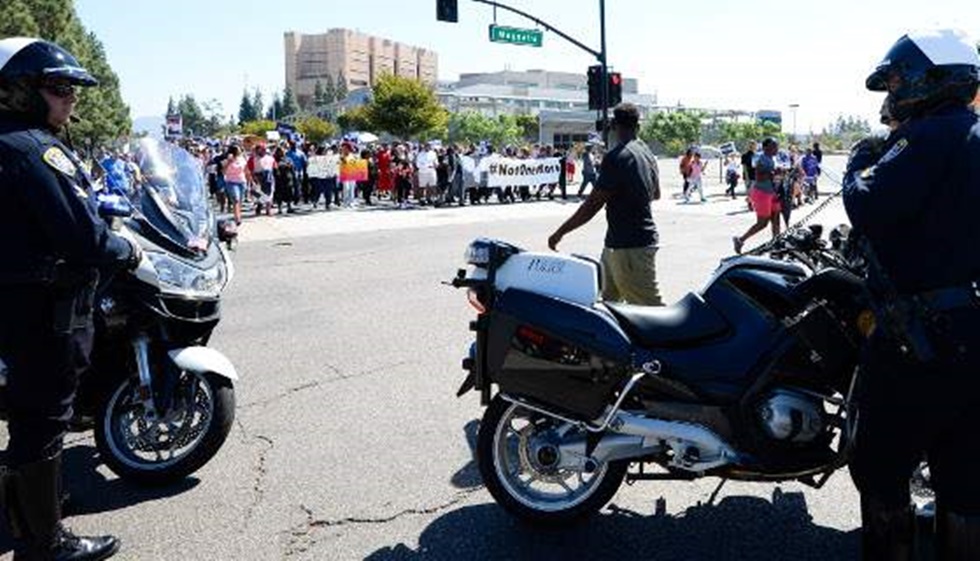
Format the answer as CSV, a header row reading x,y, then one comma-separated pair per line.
x,y
615,89
595,87
447,10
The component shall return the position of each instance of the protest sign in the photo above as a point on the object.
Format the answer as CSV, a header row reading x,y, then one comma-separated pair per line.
x,y
503,172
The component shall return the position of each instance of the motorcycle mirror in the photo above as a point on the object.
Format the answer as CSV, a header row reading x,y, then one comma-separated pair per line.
x,y
817,230
114,206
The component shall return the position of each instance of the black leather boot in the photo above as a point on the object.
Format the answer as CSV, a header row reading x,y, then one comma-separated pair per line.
x,y
33,504
957,537
886,534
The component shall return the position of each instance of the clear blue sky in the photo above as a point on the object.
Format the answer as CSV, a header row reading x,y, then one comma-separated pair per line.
x,y
748,54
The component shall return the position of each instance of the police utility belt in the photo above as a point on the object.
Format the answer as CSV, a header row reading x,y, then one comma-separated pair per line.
x,y
914,320
54,273
72,290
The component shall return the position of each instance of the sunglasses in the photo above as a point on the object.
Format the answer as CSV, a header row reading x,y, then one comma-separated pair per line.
x,y
60,90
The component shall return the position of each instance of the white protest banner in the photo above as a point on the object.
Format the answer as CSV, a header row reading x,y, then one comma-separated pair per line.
x,y
504,172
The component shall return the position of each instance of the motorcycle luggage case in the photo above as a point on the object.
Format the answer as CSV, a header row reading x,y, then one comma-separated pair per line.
x,y
564,356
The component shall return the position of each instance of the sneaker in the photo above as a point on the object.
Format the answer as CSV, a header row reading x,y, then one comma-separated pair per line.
x,y
737,242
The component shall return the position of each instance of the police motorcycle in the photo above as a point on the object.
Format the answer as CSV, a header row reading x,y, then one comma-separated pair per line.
x,y
750,378
160,400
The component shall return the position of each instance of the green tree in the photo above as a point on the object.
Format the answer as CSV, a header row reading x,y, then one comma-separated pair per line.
x,y
845,132
246,110
289,105
101,113
56,21
474,127
274,112
406,108
258,127
258,104
356,119
16,19
213,118
315,129
530,126
340,88
672,131
319,95
742,133
192,116
329,92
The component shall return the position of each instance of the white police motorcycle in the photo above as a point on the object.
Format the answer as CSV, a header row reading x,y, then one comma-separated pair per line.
x,y
161,401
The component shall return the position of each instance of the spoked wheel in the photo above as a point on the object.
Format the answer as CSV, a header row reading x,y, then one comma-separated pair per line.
x,y
162,450
520,461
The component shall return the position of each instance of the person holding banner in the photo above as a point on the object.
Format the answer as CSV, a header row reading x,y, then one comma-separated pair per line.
x,y
629,181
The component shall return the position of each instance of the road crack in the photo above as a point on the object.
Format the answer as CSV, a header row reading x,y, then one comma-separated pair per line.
x,y
302,537
259,468
314,384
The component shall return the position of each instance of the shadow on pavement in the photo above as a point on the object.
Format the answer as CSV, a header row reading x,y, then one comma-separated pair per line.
x,y
468,476
735,528
91,493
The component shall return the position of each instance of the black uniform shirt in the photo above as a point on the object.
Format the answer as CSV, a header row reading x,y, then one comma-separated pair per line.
x,y
917,201
47,206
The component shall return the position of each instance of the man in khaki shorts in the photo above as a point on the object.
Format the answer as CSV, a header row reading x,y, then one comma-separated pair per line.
x,y
628,182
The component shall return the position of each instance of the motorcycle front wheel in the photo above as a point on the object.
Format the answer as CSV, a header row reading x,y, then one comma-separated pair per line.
x,y
165,449
519,461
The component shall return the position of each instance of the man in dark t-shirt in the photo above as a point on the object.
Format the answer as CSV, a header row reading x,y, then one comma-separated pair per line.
x,y
748,165
628,182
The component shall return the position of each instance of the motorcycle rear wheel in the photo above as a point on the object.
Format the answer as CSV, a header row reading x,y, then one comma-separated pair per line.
x,y
522,485
166,450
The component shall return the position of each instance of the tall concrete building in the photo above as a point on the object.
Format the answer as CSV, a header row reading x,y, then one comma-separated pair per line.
x,y
360,57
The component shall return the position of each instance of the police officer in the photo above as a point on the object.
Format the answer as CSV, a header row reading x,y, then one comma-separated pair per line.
x,y
914,198
52,246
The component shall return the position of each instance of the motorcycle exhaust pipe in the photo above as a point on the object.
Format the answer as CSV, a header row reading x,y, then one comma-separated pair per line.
x,y
693,447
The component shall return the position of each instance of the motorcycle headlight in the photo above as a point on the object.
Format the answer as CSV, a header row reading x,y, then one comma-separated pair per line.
x,y
180,276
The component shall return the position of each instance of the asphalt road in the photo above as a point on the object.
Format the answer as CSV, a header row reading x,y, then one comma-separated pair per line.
x,y
350,442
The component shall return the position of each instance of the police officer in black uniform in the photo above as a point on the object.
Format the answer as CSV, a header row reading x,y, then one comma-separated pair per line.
x,y
53,246
914,198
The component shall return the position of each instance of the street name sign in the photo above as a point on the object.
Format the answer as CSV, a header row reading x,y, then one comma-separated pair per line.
x,y
516,35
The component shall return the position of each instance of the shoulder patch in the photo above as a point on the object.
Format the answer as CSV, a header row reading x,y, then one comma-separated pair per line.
x,y
60,161
897,149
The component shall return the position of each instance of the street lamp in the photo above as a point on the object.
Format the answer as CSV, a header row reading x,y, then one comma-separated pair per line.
x,y
793,107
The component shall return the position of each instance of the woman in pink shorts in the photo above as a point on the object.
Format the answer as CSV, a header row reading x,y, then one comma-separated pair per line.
x,y
763,195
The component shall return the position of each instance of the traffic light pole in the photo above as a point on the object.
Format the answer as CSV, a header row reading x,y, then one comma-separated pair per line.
x,y
600,55
605,73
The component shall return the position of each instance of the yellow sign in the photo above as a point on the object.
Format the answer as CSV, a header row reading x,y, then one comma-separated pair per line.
x,y
353,169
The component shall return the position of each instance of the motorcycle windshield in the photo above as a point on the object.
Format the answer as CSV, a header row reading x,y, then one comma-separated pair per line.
x,y
173,197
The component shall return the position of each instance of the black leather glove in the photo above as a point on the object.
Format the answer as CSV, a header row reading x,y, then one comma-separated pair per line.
x,y
866,153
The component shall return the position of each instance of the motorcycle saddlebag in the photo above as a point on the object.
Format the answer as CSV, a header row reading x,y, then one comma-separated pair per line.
x,y
563,356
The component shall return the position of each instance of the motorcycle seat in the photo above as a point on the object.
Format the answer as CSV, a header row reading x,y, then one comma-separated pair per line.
x,y
689,321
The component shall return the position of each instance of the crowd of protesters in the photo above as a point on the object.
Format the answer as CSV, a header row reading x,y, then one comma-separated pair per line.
x,y
287,176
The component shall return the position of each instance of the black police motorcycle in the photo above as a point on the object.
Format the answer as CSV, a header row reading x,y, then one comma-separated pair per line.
x,y
750,378
161,401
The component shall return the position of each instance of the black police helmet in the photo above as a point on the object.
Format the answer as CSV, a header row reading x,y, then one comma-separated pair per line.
x,y
36,60
926,70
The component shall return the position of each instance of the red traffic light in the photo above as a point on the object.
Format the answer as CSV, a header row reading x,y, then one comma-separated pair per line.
x,y
615,79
